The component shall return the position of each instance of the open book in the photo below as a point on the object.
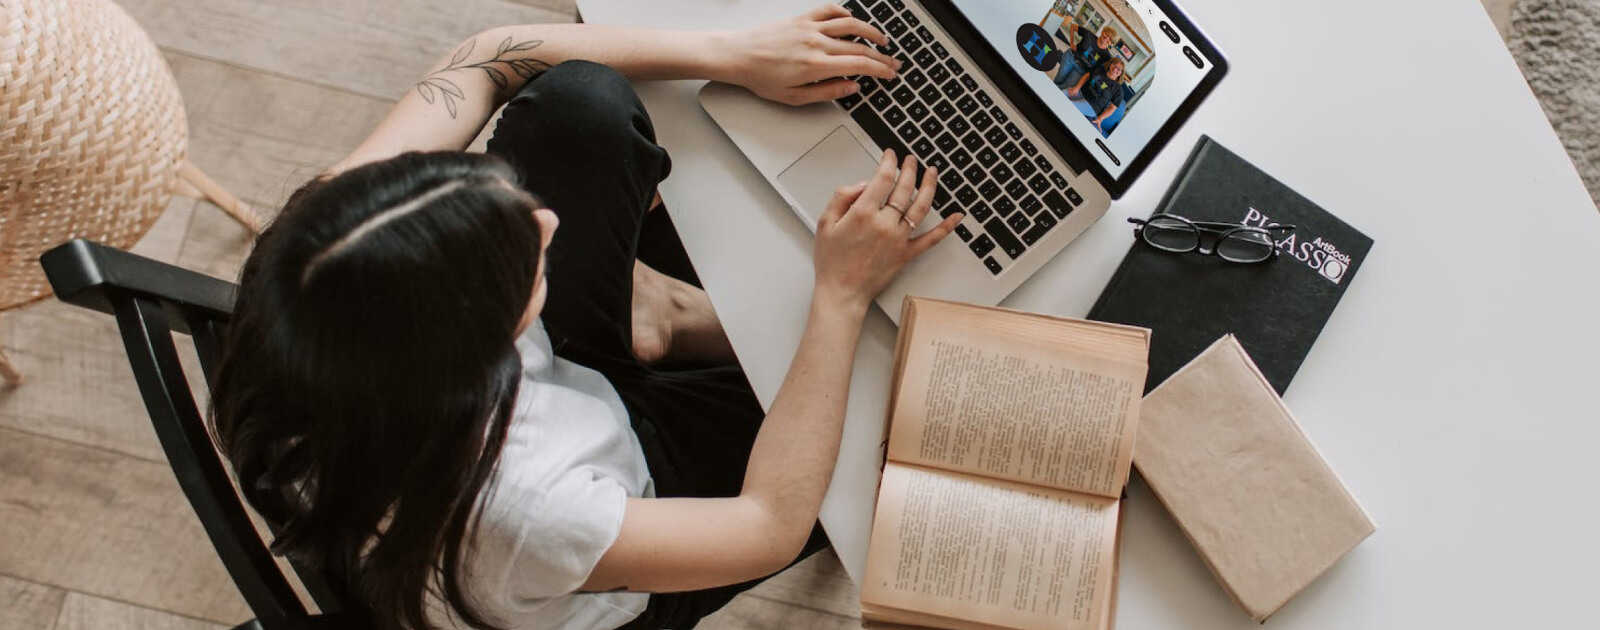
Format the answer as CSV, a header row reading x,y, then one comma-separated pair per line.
x,y
1010,439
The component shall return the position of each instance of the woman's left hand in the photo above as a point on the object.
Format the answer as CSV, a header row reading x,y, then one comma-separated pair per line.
x,y
802,60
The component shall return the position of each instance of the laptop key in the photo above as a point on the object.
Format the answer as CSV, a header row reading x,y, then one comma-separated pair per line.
x,y
882,12
924,34
938,74
983,98
972,141
947,143
959,125
932,126
987,158
975,175
917,111
1059,181
960,158
993,265
899,5
1041,225
1026,169
894,116
1016,188
1002,173
939,162
1010,152
908,131
1013,131
1007,242
1004,205
970,83
869,85
1039,184
999,115
850,101
1019,222
922,147
982,246
950,178
1031,205
955,68
1057,204
880,100
930,94
903,95
910,43
953,90
990,192
925,58
945,109
1044,164
980,211
896,27
967,196
911,19
940,50
967,105
982,122
915,78
1072,195
1029,148
964,233
995,136
941,202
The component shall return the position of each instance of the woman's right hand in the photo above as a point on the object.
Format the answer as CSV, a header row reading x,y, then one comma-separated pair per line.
x,y
864,240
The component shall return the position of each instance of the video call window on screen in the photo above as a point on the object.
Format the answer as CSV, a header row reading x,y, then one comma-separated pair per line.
x,y
1105,58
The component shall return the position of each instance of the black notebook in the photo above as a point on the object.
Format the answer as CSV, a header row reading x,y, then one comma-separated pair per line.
x,y
1275,308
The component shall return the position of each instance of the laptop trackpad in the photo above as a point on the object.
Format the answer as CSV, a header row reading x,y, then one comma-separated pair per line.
x,y
838,160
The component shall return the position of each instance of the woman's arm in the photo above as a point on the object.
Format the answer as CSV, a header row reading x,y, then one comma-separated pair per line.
x,y
1105,114
1078,87
795,61
686,544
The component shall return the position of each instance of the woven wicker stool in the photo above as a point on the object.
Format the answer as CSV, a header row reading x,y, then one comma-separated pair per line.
x,y
92,138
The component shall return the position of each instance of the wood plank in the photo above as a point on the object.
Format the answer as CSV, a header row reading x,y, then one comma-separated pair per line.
x,y
86,612
25,604
109,525
262,136
818,583
79,386
378,48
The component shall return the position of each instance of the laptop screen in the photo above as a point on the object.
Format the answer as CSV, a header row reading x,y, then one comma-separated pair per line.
x,y
1113,71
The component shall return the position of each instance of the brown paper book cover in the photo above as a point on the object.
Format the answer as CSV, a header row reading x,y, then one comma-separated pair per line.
x,y
1258,502
1010,438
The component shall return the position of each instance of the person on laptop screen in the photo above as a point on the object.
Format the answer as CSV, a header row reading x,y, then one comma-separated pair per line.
x,y
1089,53
1102,90
465,417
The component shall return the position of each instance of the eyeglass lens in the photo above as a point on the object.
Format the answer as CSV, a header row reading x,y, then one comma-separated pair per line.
x,y
1175,235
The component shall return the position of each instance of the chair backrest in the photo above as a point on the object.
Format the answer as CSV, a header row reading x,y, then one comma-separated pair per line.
x,y
151,301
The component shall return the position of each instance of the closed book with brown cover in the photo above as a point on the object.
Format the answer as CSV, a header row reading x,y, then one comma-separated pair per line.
x,y
1258,502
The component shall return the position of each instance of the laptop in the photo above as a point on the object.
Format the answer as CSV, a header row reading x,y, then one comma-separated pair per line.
x,y
1030,164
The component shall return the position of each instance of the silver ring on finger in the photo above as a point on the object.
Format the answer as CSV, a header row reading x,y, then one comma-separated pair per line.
x,y
891,204
909,222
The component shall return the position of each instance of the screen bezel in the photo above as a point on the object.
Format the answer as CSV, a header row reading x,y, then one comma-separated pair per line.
x,y
1079,156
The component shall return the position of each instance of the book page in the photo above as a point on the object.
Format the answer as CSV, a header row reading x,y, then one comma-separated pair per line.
x,y
1008,405
991,552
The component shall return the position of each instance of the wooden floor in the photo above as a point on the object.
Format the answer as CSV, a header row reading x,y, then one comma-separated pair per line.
x,y
94,533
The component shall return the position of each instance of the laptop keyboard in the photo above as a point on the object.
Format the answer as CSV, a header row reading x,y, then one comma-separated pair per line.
x,y
938,112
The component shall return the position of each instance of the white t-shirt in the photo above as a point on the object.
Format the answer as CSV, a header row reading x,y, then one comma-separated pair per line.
x,y
570,463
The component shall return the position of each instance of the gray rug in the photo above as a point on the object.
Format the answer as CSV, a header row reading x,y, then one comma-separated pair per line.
x,y
1557,44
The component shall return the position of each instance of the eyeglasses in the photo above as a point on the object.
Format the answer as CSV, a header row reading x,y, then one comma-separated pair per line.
x,y
1230,241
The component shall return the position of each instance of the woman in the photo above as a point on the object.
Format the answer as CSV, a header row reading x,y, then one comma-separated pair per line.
x,y
1103,92
453,408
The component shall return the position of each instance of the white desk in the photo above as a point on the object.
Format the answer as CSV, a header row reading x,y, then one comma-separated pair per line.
x,y
1456,389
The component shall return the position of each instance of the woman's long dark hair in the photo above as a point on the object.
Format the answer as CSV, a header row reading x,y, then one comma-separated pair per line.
x,y
370,372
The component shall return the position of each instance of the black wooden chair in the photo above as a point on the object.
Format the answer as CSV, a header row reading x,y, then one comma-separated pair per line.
x,y
151,301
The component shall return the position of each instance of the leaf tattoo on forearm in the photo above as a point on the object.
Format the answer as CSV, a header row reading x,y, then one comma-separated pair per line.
x,y
437,87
